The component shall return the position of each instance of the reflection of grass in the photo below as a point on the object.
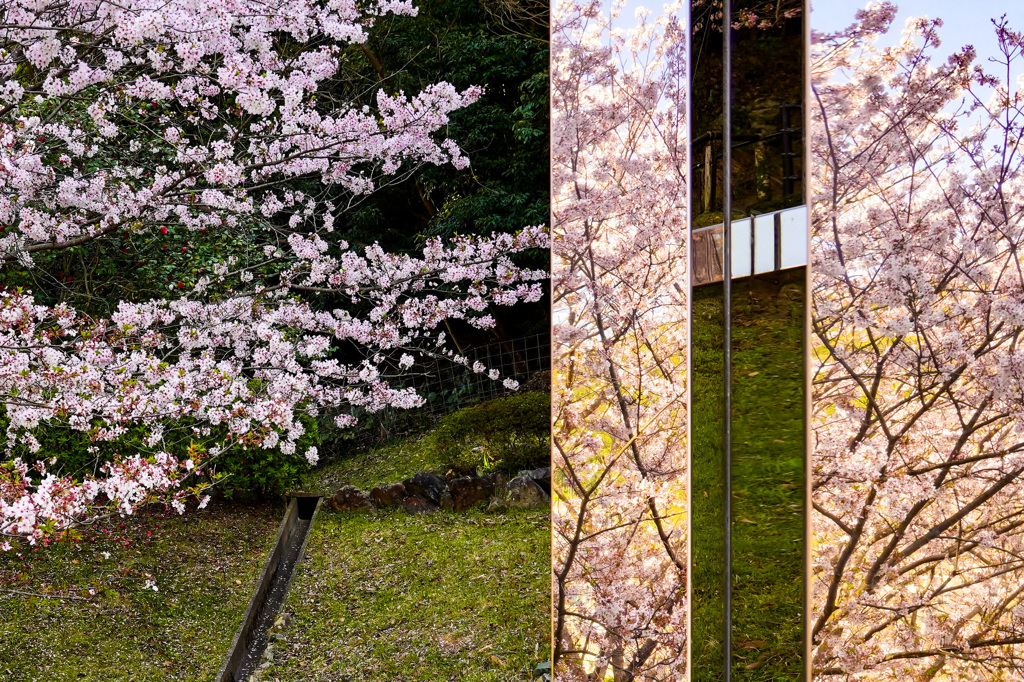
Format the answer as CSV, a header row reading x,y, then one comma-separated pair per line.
x,y
767,480
204,566
708,485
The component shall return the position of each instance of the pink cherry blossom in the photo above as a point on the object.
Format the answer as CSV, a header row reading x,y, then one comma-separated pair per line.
x,y
918,402
209,116
619,278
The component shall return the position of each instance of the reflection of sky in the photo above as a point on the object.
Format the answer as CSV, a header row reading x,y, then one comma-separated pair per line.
x,y
627,19
965,22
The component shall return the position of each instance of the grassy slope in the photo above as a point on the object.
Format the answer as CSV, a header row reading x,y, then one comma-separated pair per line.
x,y
767,443
388,596
392,462
205,565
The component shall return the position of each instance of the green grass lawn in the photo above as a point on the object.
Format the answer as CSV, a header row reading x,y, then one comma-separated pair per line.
x,y
110,625
389,596
767,481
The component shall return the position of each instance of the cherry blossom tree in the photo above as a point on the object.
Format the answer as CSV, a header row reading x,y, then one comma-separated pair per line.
x,y
225,116
619,278
918,372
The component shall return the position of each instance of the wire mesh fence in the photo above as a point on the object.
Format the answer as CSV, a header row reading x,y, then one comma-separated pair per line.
x,y
447,386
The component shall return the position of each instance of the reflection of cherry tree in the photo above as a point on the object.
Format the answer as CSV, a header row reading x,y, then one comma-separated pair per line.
x,y
619,281
133,118
918,313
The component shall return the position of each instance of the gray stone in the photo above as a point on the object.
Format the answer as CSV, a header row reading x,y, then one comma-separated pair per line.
x,y
446,501
427,485
524,493
390,495
350,498
541,477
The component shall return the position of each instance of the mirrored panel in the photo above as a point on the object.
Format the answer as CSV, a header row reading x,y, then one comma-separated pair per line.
x,y
917,367
620,297
750,253
709,468
766,323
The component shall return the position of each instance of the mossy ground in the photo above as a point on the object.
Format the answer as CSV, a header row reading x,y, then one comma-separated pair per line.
x,y
204,565
395,461
388,596
385,596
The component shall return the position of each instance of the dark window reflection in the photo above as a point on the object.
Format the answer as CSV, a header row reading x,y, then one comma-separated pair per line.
x,y
762,615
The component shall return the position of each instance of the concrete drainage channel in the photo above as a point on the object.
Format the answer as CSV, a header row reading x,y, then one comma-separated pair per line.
x,y
246,651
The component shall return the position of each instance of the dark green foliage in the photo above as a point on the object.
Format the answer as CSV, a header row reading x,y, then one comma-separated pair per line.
x,y
507,434
70,448
258,472
504,134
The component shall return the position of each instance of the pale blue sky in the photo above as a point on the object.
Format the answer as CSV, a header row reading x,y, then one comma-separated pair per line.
x,y
965,22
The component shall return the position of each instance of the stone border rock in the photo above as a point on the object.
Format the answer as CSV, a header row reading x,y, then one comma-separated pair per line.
x,y
426,492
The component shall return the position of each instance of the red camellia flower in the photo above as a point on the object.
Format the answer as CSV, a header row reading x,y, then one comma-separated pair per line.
x,y
163,230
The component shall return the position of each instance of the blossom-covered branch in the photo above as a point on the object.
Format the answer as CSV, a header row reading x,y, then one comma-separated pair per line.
x,y
127,119
619,283
918,311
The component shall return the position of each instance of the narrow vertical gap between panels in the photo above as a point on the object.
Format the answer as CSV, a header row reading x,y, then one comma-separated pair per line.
x,y
808,469
727,320
688,139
